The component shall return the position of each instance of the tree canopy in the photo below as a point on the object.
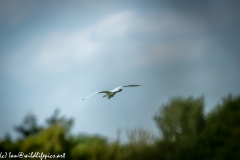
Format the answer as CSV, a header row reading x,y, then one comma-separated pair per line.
x,y
185,133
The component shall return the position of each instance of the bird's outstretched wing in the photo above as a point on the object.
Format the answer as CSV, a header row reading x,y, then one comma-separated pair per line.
x,y
96,93
132,85
118,88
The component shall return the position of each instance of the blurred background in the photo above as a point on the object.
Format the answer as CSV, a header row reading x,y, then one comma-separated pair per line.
x,y
54,53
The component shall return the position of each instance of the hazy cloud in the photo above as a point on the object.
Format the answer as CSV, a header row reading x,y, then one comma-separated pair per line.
x,y
63,50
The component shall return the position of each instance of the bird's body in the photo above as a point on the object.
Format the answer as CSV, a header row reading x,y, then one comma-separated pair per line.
x,y
111,93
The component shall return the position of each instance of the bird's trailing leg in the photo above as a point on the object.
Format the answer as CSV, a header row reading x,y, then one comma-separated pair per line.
x,y
104,96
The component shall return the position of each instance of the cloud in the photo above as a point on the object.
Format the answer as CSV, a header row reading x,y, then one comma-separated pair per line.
x,y
64,50
16,12
163,53
61,51
118,24
166,38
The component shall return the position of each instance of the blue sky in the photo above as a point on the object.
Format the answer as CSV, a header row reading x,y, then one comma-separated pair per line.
x,y
53,54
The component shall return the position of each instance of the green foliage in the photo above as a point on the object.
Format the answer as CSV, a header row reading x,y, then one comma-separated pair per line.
x,y
139,137
88,147
222,132
186,134
29,126
7,145
51,140
181,118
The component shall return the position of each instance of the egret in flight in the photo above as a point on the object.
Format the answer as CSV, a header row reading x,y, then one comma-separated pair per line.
x,y
111,93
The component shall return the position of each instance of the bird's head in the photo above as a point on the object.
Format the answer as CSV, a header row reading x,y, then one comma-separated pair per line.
x,y
119,90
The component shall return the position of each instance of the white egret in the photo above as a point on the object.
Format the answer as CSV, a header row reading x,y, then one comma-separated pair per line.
x,y
111,93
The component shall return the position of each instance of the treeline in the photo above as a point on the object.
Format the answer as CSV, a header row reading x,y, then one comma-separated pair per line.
x,y
185,133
